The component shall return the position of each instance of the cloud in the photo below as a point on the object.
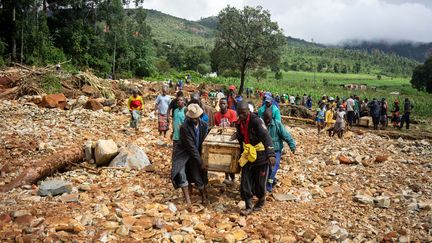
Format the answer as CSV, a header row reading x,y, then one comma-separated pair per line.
x,y
326,21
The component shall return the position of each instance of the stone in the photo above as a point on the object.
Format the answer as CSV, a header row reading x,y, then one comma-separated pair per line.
x,y
172,207
93,105
337,233
158,223
229,238
425,205
344,160
25,219
54,187
289,239
404,239
54,101
413,207
110,225
105,151
177,238
239,234
309,235
132,157
70,198
381,158
129,221
284,197
364,199
4,219
123,230
390,236
20,213
382,202
82,100
86,220
87,89
242,221
65,224
101,210
224,226
144,222
88,150
188,230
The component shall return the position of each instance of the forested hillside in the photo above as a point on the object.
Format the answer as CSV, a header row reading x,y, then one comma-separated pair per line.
x,y
112,40
417,51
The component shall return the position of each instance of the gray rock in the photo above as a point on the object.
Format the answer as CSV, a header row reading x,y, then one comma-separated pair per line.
x,y
413,207
382,202
105,151
172,207
131,157
54,187
364,199
285,197
337,232
88,149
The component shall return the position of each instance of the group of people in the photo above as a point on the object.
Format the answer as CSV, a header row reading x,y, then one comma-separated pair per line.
x,y
332,114
260,136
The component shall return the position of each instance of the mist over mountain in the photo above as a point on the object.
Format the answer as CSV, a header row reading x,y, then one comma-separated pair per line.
x,y
413,50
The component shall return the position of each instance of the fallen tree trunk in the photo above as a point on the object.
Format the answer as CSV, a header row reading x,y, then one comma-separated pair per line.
x,y
291,118
8,92
45,167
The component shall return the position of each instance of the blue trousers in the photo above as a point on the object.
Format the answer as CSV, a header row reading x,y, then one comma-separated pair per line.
x,y
273,171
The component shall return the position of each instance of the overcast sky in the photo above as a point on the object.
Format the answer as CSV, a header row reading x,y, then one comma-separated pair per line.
x,y
325,21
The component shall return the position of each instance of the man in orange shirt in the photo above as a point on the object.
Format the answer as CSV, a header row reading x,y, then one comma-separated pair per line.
x,y
226,118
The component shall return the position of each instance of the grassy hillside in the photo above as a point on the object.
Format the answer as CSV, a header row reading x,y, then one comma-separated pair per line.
x,y
298,55
167,28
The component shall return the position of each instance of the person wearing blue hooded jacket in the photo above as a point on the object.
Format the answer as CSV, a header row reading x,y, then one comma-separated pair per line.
x,y
270,106
278,134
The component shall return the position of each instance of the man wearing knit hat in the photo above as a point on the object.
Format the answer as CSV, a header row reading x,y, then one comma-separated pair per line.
x,y
187,165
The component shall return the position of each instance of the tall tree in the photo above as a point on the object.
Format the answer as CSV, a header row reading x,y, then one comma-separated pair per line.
x,y
422,76
251,38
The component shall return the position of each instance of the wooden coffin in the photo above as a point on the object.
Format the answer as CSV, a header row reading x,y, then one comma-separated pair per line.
x,y
219,153
365,121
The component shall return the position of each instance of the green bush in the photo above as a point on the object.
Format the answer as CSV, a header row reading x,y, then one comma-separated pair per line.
x,y
231,73
203,68
162,66
51,84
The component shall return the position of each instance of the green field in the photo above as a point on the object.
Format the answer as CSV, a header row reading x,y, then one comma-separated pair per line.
x,y
298,83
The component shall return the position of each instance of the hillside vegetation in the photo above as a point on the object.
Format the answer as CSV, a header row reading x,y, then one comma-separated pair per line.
x,y
299,55
170,29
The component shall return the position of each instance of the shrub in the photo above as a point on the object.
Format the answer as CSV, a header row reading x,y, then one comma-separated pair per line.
x,y
203,68
51,84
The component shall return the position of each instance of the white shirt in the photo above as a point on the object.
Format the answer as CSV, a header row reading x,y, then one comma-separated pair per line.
x,y
292,99
350,104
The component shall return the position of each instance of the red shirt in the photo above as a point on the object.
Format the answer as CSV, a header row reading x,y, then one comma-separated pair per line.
x,y
229,116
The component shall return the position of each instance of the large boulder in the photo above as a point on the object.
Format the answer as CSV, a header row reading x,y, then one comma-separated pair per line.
x,y
132,157
54,187
89,90
54,101
93,104
105,151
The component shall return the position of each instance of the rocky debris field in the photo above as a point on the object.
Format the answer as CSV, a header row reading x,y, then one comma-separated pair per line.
x,y
364,188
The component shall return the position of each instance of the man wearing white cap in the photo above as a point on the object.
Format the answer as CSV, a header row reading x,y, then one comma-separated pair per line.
x,y
187,165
